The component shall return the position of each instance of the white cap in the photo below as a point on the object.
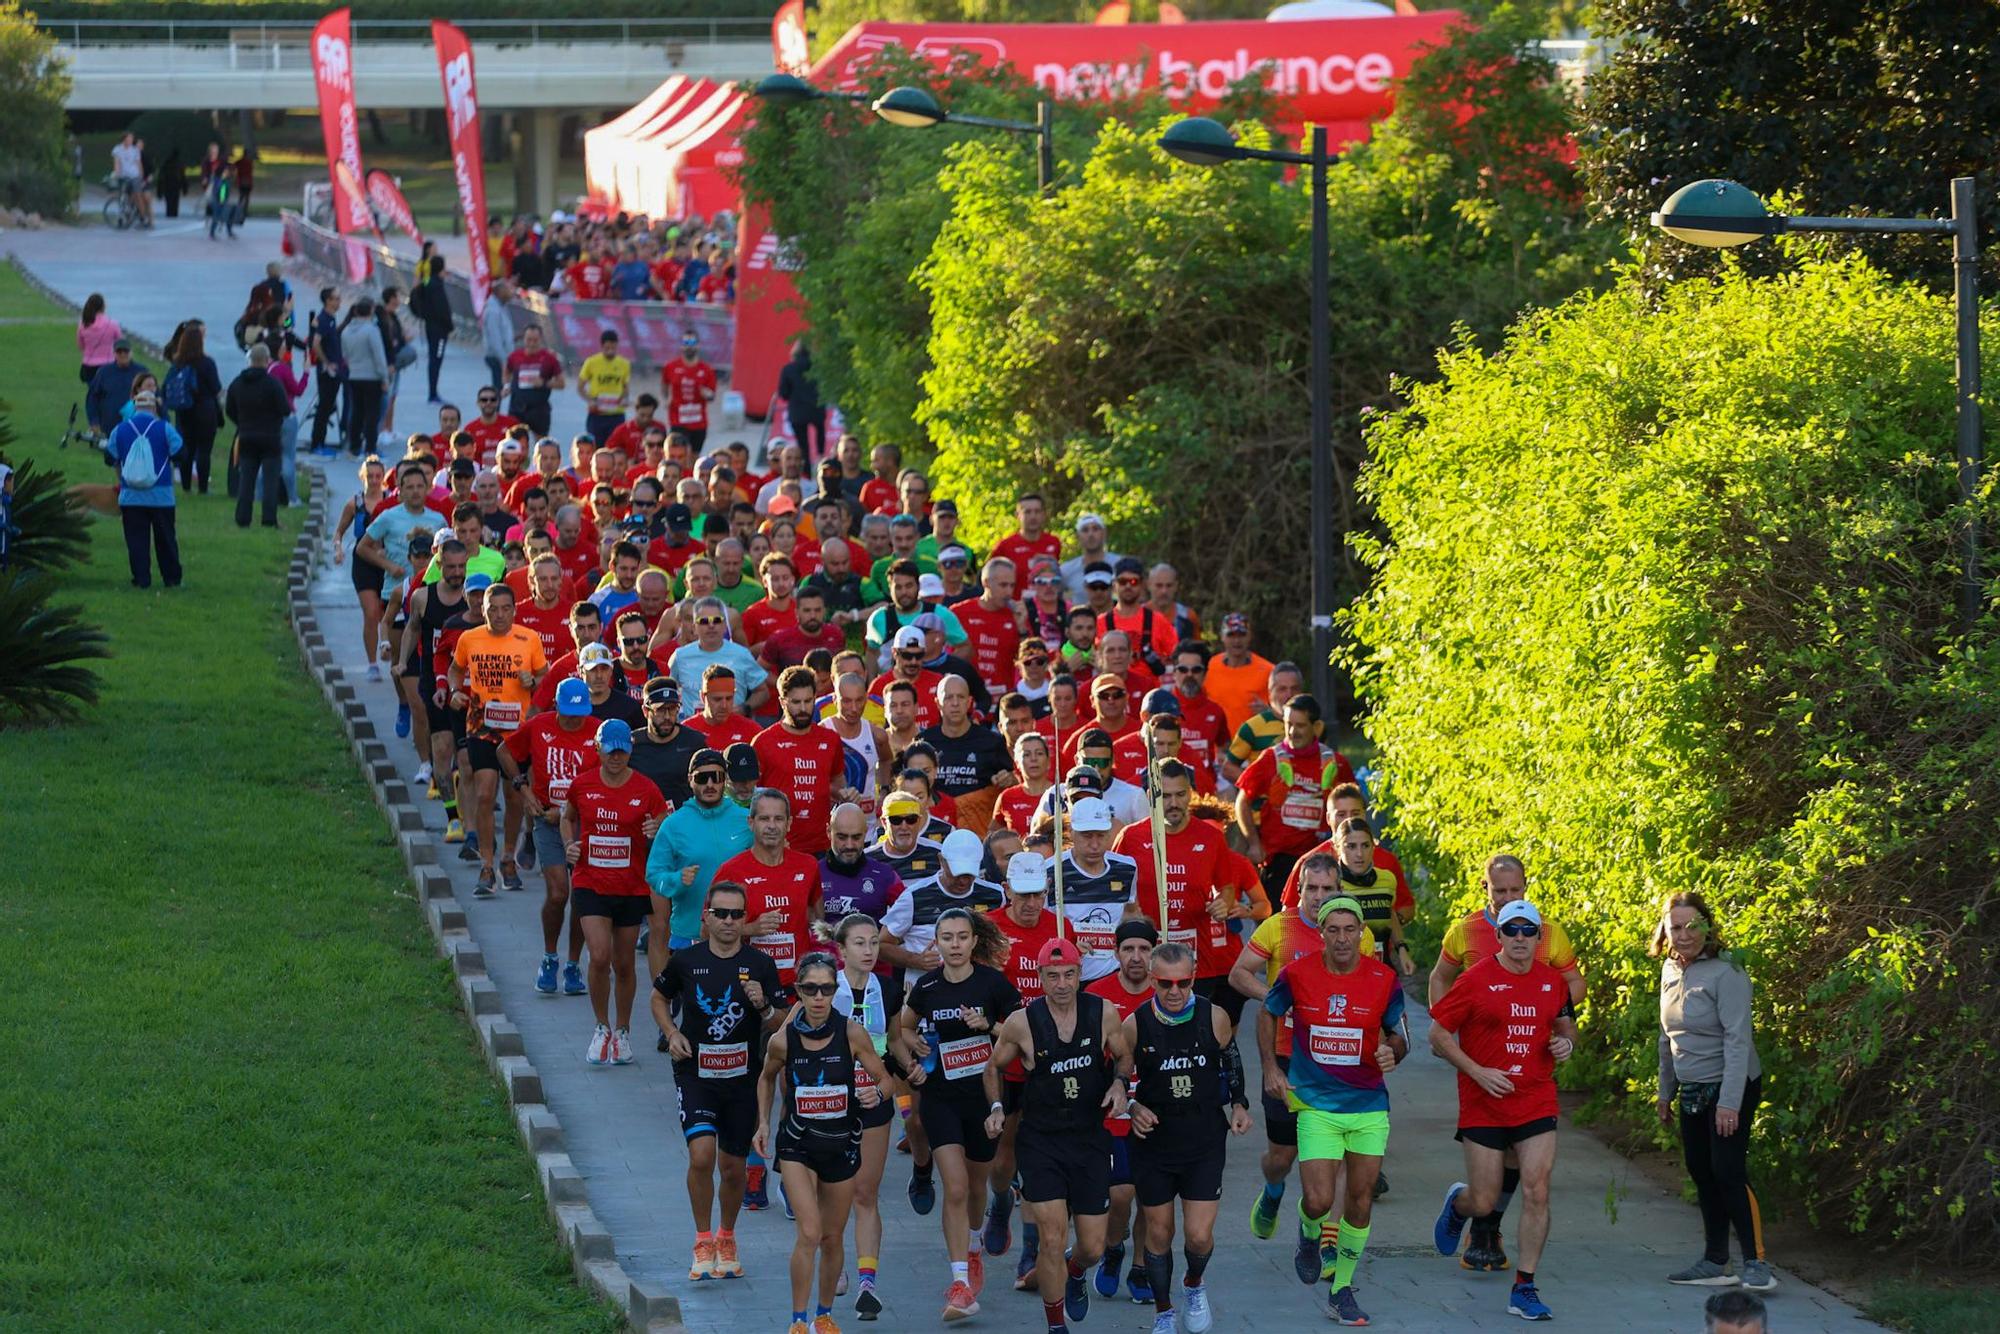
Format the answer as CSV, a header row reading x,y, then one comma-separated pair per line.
x,y
1520,910
595,655
930,586
1028,873
963,852
1084,521
511,446
908,637
1091,815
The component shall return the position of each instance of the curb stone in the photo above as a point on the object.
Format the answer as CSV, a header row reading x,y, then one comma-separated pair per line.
x,y
593,1251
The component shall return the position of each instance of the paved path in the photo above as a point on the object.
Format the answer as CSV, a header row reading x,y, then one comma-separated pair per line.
x,y
1615,1235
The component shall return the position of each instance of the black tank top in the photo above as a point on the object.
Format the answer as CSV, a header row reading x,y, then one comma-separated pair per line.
x,y
1065,1088
1179,1066
436,612
821,1111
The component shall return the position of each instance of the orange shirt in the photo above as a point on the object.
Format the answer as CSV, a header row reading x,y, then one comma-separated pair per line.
x,y
493,665
1238,689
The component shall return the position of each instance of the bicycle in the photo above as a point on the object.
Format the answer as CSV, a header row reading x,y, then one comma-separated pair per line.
x,y
122,209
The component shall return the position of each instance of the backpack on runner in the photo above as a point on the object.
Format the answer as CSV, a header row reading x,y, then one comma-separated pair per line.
x,y
177,394
139,472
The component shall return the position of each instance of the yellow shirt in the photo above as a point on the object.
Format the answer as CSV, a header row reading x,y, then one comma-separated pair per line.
x,y
1474,938
605,381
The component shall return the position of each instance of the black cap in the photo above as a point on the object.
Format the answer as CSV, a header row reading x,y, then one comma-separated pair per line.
x,y
464,468
706,757
740,763
1083,776
1093,736
679,518
1136,928
945,506
662,688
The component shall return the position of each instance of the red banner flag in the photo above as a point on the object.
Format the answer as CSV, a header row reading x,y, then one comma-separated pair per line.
x,y
790,49
385,196
461,107
333,76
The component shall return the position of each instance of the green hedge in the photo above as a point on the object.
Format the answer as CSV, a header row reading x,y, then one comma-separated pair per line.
x,y
1667,602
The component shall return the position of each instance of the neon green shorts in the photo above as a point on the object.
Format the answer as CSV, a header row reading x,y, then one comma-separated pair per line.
x,y
1337,1134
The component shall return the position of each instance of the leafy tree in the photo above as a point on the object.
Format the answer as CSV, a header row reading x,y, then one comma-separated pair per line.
x,y
831,19
1845,108
1667,600
1138,345
34,88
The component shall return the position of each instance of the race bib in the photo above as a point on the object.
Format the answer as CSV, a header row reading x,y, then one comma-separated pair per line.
x,y
820,1102
780,945
965,1057
608,853
1334,1046
529,376
862,1079
1300,811
1183,935
688,414
723,1060
502,715
1096,940
604,404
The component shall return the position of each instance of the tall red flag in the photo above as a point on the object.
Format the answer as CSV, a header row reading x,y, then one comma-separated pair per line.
x,y
791,49
333,76
461,109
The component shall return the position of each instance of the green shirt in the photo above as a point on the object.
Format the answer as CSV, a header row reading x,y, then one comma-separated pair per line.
x,y
742,597
488,562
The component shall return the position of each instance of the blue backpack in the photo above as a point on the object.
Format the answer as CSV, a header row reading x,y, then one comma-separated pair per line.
x,y
177,394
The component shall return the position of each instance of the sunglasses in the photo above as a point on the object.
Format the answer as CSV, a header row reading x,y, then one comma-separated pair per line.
x,y
904,819
639,504
489,400
1173,983
1111,694
1520,929
706,776
1098,762
815,988
1045,581
1190,671
1128,581
1035,662
910,653
729,914
633,643
708,620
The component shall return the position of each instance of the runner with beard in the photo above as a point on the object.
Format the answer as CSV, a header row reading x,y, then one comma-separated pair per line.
x,y
661,750
713,1002
803,760
1125,991
1200,901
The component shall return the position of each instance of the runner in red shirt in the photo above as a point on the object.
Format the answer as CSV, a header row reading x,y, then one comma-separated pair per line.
x,y
1503,1027
782,887
910,670
540,605
993,633
1032,539
878,493
718,721
1346,802
608,823
1289,781
1200,900
774,611
803,760
548,755
1125,990
490,427
1204,727
1163,734
690,386
788,646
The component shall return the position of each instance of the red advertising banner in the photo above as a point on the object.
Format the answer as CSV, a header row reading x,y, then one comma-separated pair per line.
x,y
461,107
333,77
790,49
388,200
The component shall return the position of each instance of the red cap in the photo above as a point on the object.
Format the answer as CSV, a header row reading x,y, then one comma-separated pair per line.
x,y
1057,952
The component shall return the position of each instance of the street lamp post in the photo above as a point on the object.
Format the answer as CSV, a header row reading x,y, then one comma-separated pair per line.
x,y
789,90
1208,143
1717,214
916,109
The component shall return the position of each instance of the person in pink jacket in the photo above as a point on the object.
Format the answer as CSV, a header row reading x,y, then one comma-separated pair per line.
x,y
95,333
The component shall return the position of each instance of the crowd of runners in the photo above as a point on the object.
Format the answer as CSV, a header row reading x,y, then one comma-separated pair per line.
x,y
989,859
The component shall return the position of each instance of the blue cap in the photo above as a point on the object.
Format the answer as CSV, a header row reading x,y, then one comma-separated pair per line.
x,y
1160,701
614,735
478,583
573,699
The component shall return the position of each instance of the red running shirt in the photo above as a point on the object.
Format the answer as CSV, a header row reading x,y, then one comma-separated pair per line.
x,y
791,888
611,858
805,767
1503,1021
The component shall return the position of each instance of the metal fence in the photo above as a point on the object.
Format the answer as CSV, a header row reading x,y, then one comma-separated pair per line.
x,y
484,32
649,332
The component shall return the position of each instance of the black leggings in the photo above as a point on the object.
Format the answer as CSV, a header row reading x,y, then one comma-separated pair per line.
x,y
434,352
198,427
1722,1180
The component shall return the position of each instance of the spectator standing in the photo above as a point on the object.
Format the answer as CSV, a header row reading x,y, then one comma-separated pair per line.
x,y
111,386
431,304
329,364
146,490
96,335
401,352
367,372
496,331
245,171
260,406
294,382
171,181
803,408
630,279
193,392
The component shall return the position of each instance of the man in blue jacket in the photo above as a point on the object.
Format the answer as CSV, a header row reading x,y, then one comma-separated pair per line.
x,y
148,444
111,387
691,843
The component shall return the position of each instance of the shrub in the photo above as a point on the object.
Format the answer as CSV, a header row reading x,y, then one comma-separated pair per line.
x,y
42,652
34,86
1667,601
50,521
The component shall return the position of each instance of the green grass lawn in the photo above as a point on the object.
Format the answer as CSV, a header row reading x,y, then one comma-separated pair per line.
x,y
239,1091
1929,1307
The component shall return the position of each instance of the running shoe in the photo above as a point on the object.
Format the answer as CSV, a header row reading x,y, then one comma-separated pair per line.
x,y
1024,1268
1076,1296
755,1196
599,1050
510,876
468,851
1381,1185
375,673
1526,1303
999,1233
823,1324
867,1306
703,1267
483,889
1163,1323
798,1327
403,719
1343,1309
1757,1276
975,1272
1196,1317
959,1303
524,856
840,1285
432,793
1264,1215
1704,1273
923,1192
1450,1223
645,938
573,983
727,1265
621,1047
423,776
1139,1286
1305,1259
454,831
545,977
1107,1271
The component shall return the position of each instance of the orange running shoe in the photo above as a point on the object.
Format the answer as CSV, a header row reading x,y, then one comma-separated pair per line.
x,y
704,1261
975,1272
823,1324
959,1303
726,1263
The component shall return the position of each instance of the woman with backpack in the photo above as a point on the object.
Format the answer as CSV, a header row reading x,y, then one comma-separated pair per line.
x,y
192,391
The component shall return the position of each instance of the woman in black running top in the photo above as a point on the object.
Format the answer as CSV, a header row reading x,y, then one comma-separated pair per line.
x,y
819,1136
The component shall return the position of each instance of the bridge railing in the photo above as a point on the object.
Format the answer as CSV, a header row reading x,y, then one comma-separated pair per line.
x,y
84,33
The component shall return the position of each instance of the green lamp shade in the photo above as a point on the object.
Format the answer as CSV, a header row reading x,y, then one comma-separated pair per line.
x,y
1715,214
785,89
1199,140
912,108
